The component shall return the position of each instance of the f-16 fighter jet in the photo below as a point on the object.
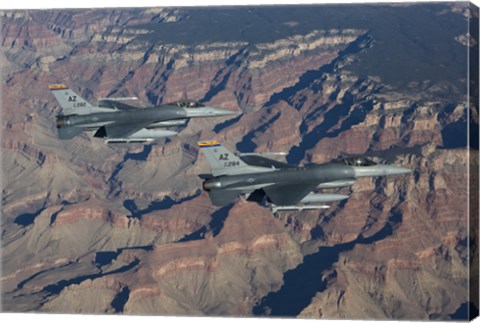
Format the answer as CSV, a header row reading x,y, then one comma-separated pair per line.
x,y
285,186
119,122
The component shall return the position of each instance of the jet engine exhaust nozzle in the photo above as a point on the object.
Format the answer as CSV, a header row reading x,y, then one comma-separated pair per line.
x,y
211,184
61,121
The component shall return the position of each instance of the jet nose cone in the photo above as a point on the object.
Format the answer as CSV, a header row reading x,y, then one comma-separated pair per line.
x,y
221,112
398,170
207,112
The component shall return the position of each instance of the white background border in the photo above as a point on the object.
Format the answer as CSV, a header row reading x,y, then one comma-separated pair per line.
x,y
46,4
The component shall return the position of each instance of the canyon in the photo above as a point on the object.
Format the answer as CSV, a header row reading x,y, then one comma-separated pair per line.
x,y
90,227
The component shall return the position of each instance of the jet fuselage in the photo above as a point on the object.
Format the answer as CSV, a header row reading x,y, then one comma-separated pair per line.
x,y
116,121
286,187
99,119
324,173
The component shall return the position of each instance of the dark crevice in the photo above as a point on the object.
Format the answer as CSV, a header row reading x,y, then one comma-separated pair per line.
x,y
215,225
25,281
313,76
120,300
304,281
334,116
54,216
454,135
313,79
104,258
122,83
158,83
317,233
221,126
56,288
466,312
391,154
218,219
141,156
306,80
27,219
247,144
164,204
223,75
196,235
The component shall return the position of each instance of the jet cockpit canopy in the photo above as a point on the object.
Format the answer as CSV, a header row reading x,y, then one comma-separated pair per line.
x,y
358,161
188,104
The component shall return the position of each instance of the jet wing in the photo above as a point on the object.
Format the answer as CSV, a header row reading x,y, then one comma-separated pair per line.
x,y
288,194
122,130
69,132
114,104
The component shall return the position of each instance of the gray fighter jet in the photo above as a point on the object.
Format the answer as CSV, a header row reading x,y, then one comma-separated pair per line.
x,y
119,122
285,186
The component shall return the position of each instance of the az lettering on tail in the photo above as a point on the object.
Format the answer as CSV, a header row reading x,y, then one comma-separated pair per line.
x,y
222,161
223,157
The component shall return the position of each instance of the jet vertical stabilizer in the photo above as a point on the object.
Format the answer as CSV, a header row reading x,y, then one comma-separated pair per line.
x,y
71,102
224,162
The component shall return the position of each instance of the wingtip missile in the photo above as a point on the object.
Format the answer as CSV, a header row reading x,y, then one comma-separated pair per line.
x,y
274,153
208,143
276,208
126,98
54,87
207,112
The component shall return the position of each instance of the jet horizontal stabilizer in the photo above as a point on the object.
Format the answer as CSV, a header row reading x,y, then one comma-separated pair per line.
x,y
205,176
69,132
222,198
